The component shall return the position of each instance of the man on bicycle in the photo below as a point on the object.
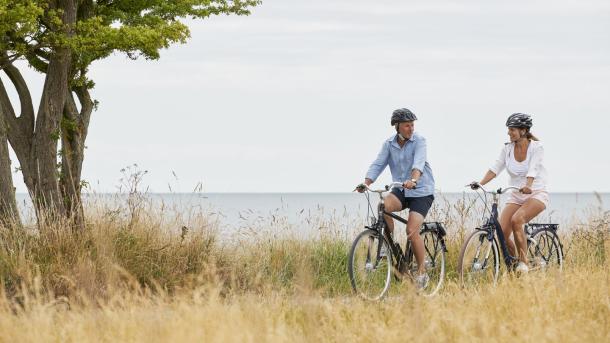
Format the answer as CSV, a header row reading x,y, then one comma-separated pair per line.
x,y
405,153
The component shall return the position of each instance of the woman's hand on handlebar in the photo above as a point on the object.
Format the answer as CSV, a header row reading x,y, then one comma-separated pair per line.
x,y
526,190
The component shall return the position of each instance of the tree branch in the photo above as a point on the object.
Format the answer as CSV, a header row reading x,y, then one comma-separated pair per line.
x,y
19,138
87,106
6,107
26,118
8,59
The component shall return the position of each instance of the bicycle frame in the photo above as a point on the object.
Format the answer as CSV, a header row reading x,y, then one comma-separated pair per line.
x,y
495,226
380,226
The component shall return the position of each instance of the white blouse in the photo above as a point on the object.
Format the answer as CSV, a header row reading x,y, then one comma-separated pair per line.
x,y
519,171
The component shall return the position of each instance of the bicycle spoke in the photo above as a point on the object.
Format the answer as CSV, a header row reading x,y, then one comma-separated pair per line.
x,y
434,263
428,253
546,252
368,250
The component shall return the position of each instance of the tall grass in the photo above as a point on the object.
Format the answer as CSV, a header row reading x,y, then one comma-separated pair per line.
x,y
141,273
540,308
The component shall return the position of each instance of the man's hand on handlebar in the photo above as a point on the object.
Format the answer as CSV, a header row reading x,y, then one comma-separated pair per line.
x,y
474,185
409,184
360,188
363,186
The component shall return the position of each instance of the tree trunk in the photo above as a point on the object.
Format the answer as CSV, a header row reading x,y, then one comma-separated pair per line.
x,y
20,129
74,130
47,195
9,215
15,130
35,139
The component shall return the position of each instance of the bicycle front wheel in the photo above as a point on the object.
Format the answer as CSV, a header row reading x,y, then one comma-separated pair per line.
x,y
370,265
544,250
479,260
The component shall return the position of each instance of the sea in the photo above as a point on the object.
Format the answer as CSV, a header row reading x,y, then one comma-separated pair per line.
x,y
307,214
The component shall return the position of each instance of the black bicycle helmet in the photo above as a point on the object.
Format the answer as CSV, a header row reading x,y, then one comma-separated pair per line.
x,y
519,120
402,115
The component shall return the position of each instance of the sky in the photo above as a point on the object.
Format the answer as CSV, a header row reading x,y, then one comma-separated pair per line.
x,y
298,96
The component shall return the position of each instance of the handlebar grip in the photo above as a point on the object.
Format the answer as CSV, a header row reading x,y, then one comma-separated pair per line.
x,y
401,186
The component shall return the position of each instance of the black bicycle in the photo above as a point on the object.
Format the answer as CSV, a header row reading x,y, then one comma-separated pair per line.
x,y
374,256
479,260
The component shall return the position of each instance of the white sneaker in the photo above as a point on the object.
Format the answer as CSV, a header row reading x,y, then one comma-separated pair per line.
x,y
522,268
421,281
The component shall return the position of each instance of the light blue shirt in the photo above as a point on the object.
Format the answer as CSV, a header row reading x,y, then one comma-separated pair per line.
x,y
402,161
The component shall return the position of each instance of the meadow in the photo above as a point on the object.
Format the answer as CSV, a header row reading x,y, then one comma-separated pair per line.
x,y
138,273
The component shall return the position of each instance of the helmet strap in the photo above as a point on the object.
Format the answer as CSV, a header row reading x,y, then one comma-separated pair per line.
x,y
400,136
522,136
525,134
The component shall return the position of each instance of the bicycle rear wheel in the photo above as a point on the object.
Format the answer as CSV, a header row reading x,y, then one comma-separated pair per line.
x,y
479,260
544,250
434,260
369,269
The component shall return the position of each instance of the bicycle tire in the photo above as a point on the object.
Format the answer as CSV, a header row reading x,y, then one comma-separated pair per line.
x,y
435,261
377,287
470,268
547,252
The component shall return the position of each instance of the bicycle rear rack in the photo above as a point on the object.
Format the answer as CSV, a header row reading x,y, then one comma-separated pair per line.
x,y
436,226
533,226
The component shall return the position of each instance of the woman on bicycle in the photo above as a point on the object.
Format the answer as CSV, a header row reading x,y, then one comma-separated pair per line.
x,y
523,160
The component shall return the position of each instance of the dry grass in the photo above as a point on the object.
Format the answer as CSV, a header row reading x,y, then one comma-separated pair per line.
x,y
574,306
128,278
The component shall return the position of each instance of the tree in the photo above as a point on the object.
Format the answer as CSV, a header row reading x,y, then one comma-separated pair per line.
x,y
8,205
61,39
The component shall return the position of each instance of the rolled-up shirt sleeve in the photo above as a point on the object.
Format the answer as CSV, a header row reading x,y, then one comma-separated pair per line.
x,y
420,155
498,166
535,161
380,162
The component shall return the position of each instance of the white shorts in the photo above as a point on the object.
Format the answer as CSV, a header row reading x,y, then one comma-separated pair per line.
x,y
520,198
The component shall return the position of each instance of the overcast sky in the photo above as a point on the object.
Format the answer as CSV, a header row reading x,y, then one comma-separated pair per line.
x,y
297,97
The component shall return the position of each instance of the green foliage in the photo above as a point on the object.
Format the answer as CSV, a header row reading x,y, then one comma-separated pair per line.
x,y
68,124
138,28
55,135
19,19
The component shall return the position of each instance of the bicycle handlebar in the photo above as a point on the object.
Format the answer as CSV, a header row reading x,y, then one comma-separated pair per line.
x,y
387,188
494,192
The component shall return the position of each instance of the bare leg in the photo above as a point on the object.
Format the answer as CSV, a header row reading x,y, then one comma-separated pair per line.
x,y
392,204
415,222
530,209
507,228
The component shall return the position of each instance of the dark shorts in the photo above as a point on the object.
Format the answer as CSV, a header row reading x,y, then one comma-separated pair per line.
x,y
420,205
